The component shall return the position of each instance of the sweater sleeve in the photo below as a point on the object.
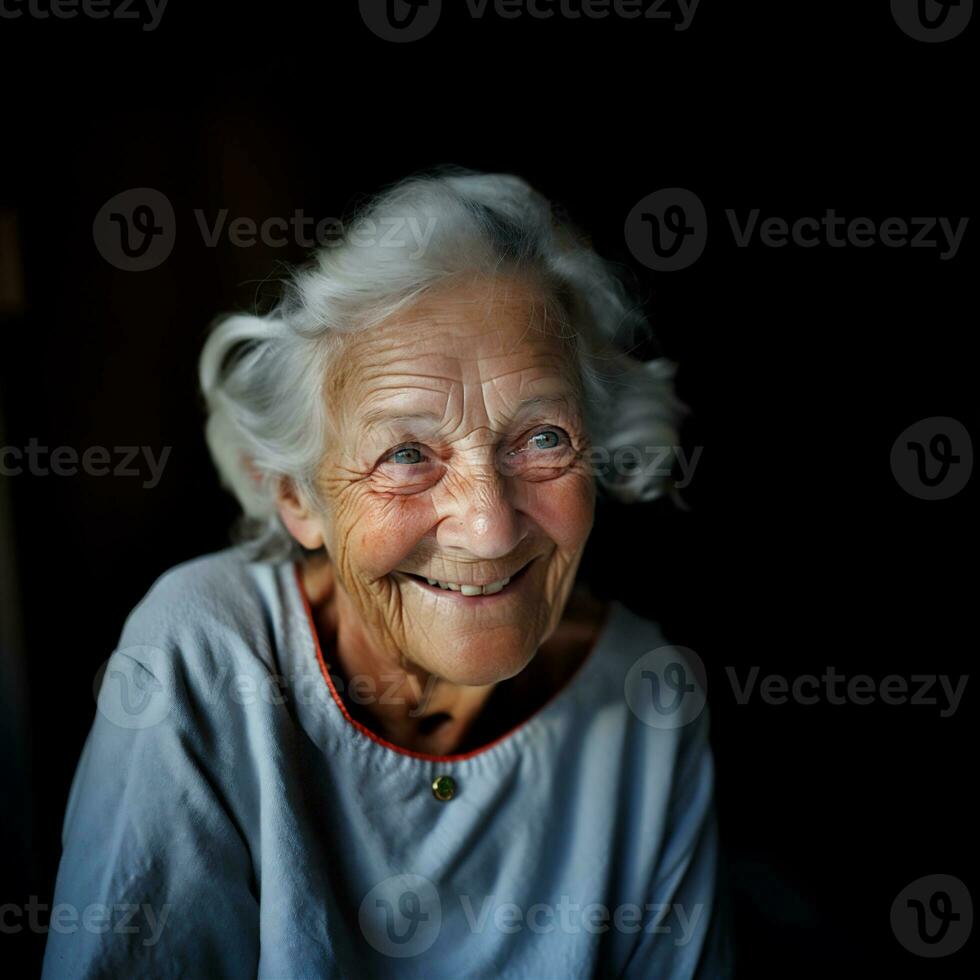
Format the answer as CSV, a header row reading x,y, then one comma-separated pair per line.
x,y
155,877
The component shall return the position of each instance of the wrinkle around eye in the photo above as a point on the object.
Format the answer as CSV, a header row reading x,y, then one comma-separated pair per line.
x,y
405,478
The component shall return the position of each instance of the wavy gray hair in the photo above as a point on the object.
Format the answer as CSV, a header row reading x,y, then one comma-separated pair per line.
x,y
262,375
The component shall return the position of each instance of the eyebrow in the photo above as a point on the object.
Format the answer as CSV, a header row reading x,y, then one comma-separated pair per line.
x,y
377,416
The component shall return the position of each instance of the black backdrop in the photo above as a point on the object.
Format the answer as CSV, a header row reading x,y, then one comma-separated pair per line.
x,y
800,549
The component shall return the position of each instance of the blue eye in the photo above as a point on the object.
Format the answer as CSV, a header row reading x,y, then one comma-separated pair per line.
x,y
407,455
549,439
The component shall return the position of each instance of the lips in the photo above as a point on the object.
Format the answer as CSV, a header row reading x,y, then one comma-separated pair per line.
x,y
469,590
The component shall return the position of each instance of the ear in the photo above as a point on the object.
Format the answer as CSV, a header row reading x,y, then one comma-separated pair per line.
x,y
302,522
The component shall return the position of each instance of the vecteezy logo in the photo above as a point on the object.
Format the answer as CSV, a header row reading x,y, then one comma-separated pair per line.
x,y
130,690
401,916
940,448
667,230
933,458
933,916
135,230
666,687
400,20
932,20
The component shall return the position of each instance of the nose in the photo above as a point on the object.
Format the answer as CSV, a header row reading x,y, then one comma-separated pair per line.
x,y
484,520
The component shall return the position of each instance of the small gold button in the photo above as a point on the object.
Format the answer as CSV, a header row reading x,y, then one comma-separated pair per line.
x,y
444,788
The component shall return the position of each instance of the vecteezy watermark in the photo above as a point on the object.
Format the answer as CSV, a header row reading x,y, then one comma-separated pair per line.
x,y
402,916
402,21
668,230
834,688
147,13
133,688
121,461
933,458
834,231
407,233
667,687
309,688
569,918
136,230
678,13
120,918
933,916
932,20
647,462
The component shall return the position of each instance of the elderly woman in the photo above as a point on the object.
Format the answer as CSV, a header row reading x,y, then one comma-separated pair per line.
x,y
387,734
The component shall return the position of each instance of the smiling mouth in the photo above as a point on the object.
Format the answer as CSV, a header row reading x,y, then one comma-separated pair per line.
x,y
490,590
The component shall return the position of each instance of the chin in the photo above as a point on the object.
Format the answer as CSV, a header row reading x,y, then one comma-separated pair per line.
x,y
481,659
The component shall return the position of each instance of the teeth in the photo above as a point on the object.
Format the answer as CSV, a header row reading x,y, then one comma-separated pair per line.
x,y
492,589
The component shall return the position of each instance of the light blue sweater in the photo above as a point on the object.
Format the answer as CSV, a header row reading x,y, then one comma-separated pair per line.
x,y
227,819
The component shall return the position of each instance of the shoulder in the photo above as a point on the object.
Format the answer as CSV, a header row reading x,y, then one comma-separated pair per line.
x,y
218,591
203,614
660,686
654,697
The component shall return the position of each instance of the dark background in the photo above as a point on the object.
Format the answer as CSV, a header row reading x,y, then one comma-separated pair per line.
x,y
802,366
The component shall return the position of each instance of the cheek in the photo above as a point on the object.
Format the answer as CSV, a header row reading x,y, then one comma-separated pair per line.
x,y
374,534
563,508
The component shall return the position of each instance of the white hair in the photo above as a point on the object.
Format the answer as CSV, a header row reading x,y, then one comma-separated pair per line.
x,y
262,375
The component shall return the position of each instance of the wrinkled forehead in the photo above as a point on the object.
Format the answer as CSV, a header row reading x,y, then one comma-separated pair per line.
x,y
499,337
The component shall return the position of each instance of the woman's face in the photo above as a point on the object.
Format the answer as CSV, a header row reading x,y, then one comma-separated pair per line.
x,y
457,454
